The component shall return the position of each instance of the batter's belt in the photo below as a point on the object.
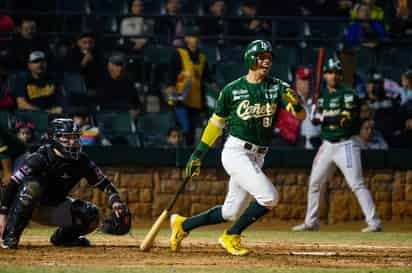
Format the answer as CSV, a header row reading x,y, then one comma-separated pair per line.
x,y
249,146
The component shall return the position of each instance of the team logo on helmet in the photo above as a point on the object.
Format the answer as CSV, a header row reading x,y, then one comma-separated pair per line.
x,y
333,64
253,49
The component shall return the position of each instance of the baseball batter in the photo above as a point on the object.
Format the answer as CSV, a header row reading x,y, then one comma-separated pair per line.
x,y
249,107
338,111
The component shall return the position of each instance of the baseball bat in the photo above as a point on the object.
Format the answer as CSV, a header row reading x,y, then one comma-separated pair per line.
x,y
151,235
319,68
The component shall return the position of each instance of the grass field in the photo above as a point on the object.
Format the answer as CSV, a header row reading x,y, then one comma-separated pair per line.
x,y
273,251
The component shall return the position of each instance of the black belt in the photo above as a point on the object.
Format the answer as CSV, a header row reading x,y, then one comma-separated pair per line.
x,y
259,150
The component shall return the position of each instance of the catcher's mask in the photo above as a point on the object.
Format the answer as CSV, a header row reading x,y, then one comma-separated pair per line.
x,y
65,136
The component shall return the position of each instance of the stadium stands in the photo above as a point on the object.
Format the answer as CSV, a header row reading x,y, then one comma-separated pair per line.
x,y
296,41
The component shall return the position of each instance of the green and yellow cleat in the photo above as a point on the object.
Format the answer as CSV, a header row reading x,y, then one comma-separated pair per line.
x,y
178,234
232,244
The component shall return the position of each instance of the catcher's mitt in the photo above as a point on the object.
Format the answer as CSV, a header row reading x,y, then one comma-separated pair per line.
x,y
118,222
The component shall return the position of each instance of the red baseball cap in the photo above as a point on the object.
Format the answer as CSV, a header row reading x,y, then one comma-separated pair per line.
x,y
304,73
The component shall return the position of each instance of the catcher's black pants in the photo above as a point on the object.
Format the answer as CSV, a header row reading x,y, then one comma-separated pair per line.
x,y
68,213
74,217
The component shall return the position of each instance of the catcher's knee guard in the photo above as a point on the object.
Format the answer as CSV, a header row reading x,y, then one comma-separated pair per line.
x,y
85,218
85,215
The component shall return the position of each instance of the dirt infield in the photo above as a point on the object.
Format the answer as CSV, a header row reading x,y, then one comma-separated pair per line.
x,y
123,251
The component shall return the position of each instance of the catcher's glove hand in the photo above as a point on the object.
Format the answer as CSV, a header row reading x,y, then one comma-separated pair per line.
x,y
119,220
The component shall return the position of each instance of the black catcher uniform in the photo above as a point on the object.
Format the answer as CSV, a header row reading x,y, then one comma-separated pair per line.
x,y
38,190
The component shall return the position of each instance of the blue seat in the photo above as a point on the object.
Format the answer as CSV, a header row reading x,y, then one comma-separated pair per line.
x,y
232,54
154,126
118,127
226,73
4,119
211,53
366,58
282,72
75,90
285,55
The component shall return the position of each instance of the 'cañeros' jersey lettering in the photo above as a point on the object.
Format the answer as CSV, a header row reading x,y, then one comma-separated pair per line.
x,y
247,111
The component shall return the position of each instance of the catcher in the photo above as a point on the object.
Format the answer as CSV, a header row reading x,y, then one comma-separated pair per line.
x,y
38,191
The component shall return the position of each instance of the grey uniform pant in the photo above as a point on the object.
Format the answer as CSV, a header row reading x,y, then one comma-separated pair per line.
x,y
346,156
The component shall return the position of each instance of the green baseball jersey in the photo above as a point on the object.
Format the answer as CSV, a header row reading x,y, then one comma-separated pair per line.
x,y
251,109
331,105
10,146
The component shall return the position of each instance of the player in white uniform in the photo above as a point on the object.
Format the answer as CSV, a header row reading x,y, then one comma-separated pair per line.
x,y
248,106
338,111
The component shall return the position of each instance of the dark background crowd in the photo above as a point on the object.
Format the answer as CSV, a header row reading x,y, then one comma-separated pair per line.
x,y
115,65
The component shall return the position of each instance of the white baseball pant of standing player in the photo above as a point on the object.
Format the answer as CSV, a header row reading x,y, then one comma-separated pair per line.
x,y
346,155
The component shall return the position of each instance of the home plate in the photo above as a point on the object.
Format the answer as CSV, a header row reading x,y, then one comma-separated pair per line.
x,y
313,253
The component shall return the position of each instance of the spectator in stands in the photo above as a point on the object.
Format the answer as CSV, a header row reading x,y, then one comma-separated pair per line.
x,y
89,134
170,25
309,133
405,91
365,112
384,106
376,12
364,31
187,72
26,41
369,138
6,29
40,89
402,23
114,91
251,27
214,26
136,25
85,59
25,131
174,138
25,134
403,137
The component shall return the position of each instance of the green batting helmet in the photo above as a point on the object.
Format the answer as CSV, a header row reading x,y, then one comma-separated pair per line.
x,y
333,64
253,49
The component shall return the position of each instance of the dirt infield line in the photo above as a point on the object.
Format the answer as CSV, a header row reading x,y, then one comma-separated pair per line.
x,y
124,252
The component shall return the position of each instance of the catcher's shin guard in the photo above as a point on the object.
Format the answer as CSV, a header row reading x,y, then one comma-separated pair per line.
x,y
20,213
85,220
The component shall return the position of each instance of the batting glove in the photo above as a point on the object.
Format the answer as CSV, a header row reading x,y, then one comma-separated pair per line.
x,y
193,166
291,97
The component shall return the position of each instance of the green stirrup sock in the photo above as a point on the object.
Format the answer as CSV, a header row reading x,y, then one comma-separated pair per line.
x,y
251,215
210,217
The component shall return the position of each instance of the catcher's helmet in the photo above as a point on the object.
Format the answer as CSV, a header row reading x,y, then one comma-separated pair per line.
x,y
65,136
253,49
333,64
